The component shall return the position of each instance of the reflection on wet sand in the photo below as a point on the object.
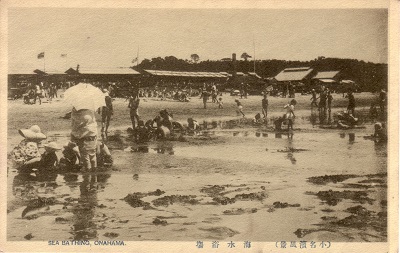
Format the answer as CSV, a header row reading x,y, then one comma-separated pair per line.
x,y
84,211
176,169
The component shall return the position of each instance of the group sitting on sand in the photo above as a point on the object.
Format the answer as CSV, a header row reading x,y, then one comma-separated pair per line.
x,y
33,154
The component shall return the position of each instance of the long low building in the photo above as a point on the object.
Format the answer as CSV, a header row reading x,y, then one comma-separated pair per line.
x,y
167,73
303,74
309,77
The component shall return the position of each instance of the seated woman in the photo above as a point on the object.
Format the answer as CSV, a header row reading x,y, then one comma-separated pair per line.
x,y
141,133
28,148
193,125
47,161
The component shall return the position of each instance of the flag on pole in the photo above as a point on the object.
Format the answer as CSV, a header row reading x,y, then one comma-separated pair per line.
x,y
63,55
134,60
41,55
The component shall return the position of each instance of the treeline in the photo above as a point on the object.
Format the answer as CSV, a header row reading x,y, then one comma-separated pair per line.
x,y
369,76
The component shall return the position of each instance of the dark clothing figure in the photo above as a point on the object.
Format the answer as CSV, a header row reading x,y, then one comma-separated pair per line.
x,y
70,157
134,110
373,112
322,101
47,161
103,155
278,123
106,112
352,103
382,101
329,99
380,132
166,119
264,104
205,95
141,134
313,98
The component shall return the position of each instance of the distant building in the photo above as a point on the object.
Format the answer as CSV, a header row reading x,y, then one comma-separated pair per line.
x,y
295,76
327,78
104,74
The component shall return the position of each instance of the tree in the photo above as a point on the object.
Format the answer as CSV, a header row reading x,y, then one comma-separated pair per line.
x,y
245,56
195,57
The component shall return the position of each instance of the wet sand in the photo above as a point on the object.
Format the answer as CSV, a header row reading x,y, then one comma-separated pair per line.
x,y
232,183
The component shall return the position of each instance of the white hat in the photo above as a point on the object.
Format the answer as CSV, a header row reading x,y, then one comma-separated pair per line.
x,y
32,133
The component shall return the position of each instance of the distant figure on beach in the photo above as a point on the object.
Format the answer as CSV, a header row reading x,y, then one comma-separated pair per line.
x,y
322,106
382,101
352,103
134,109
278,123
220,103
264,105
38,93
289,116
257,118
141,133
239,108
106,112
205,95
193,125
313,98
329,99
380,131
373,112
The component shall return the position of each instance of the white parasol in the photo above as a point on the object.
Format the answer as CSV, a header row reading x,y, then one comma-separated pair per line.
x,y
84,96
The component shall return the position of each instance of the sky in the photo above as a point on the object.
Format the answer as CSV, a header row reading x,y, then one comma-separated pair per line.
x,y
108,38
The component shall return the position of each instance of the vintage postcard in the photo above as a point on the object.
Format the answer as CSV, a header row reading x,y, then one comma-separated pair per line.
x,y
204,126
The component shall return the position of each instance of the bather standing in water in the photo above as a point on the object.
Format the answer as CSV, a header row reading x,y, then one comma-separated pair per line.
x,y
290,113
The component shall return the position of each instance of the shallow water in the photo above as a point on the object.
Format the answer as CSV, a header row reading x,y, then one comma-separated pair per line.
x,y
239,161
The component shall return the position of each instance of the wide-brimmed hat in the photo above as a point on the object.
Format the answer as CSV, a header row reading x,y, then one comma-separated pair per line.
x,y
32,133
52,145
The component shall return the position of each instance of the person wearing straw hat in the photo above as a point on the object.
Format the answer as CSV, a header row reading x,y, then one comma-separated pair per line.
x,y
84,134
48,160
28,148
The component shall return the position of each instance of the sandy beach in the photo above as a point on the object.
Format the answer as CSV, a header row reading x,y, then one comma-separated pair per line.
x,y
232,181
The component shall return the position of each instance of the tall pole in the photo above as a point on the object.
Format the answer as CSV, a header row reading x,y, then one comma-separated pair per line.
x,y
254,53
44,62
137,57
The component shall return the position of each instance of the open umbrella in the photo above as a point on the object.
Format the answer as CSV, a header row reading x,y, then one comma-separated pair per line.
x,y
84,96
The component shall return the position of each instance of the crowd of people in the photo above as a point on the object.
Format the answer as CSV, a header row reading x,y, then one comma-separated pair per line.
x,y
87,151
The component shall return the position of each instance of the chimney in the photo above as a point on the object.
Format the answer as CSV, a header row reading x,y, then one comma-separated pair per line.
x,y
234,66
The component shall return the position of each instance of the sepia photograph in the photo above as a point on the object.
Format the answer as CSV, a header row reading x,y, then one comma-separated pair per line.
x,y
218,127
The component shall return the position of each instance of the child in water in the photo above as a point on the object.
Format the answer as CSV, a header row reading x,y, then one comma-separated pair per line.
x,y
239,108
71,156
220,103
